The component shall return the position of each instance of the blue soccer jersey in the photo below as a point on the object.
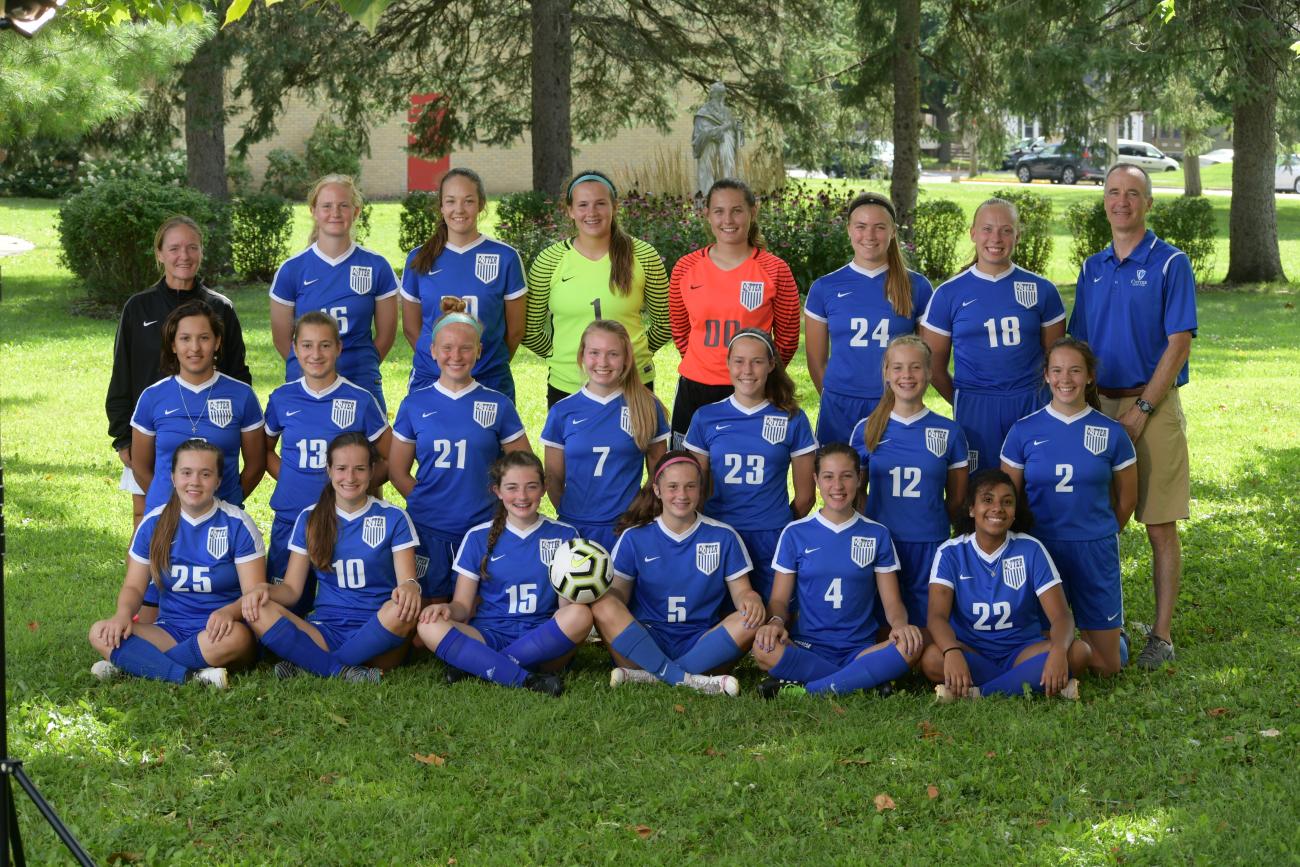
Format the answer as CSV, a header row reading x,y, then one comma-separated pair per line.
x,y
218,411
835,568
486,274
201,576
907,474
995,324
1068,462
749,453
306,422
680,579
1127,310
518,587
361,577
457,436
345,288
602,464
860,322
995,597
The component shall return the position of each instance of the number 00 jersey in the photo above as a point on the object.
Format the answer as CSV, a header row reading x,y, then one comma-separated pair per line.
x,y
518,586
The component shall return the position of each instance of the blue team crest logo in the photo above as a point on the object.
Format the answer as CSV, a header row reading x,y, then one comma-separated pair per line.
x,y
625,420
546,549
751,294
421,565
973,459
343,412
487,266
1095,438
360,279
862,550
373,530
1013,572
220,411
774,428
218,542
936,441
707,556
485,413
1026,293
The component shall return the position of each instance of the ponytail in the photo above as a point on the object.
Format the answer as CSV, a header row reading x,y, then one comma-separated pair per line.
x,y
431,249
879,418
642,405
621,247
779,389
164,529
755,237
322,524
496,473
646,505
898,285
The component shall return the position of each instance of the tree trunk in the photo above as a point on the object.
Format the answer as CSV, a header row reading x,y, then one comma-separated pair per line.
x,y
204,82
907,111
1191,166
552,132
943,128
1253,255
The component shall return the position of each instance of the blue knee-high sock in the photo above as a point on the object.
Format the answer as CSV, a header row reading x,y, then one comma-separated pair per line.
x,y
1123,650
714,648
139,657
800,665
540,644
366,643
1012,682
289,642
868,670
458,649
635,643
187,653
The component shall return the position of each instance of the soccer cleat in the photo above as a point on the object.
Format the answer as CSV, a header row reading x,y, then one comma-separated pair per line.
x,y
620,676
721,684
105,670
360,674
593,637
1070,690
455,675
213,677
943,695
772,687
284,669
1156,653
546,683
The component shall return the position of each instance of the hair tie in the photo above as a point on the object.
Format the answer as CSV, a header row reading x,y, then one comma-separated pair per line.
x,y
458,317
590,177
757,334
681,459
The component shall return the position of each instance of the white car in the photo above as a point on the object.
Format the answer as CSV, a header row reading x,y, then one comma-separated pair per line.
x,y
1148,156
1287,174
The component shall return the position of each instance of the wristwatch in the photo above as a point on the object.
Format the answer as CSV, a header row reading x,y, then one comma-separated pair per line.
x,y
1144,406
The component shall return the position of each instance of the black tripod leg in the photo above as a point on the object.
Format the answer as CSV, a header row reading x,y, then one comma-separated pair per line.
x,y
13,843
50,816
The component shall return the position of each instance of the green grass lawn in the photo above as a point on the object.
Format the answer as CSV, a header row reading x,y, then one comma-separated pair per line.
x,y
1192,765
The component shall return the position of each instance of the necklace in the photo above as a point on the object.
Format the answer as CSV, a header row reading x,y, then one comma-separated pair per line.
x,y
194,422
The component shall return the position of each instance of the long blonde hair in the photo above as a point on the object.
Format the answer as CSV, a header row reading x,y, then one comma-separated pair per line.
x,y
643,419
354,196
879,417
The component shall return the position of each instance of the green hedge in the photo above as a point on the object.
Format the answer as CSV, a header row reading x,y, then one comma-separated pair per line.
x,y
1034,249
1187,222
261,226
418,220
1088,225
937,226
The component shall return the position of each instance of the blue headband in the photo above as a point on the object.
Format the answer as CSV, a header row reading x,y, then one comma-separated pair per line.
x,y
589,177
462,318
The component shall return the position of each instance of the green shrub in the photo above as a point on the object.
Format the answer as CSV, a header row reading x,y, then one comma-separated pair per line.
x,y
286,175
529,222
936,227
260,227
418,220
106,233
40,170
362,230
1088,225
805,227
1034,249
167,167
332,150
1187,222
239,177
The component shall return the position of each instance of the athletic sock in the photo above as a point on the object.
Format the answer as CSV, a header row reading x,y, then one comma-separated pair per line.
x,y
291,643
799,665
539,644
714,648
366,643
458,649
1012,682
187,654
635,643
139,657
871,669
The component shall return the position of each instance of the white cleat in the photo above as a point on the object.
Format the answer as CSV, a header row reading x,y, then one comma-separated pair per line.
x,y
104,670
943,695
620,676
213,677
721,684
1070,690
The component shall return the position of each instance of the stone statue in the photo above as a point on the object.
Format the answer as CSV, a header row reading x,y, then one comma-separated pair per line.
x,y
716,138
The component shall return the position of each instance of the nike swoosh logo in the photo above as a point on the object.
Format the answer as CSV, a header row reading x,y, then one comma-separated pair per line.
x,y
696,285
309,282
810,550
566,279
881,443
722,426
651,559
969,303
963,577
1113,616
427,414
170,411
293,412
439,271
842,294
577,420
497,557
150,322
1039,442
1096,279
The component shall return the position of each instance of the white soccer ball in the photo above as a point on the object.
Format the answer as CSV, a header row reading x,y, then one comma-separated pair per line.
x,y
581,571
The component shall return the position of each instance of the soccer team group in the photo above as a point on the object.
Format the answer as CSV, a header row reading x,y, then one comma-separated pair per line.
x,y
1071,435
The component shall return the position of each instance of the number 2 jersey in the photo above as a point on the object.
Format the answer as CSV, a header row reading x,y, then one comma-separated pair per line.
x,y
518,587
205,552
995,596
361,577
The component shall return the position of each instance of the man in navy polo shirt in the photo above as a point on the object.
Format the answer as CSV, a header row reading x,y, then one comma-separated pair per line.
x,y
1135,304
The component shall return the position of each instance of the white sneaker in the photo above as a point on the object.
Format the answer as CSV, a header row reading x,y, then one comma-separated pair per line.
x,y
620,676
943,695
721,684
1070,690
104,670
213,677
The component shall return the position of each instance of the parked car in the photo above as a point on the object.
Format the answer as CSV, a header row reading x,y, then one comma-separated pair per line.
x,y
1061,164
871,159
1148,156
1287,175
1019,149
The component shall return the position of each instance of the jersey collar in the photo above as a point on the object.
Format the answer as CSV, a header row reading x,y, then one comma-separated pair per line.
x,y
752,410
470,246
352,516
603,401
194,522
202,386
679,537
329,389
344,255
993,278
912,419
833,527
526,531
1140,252
996,555
456,395
869,272
1068,419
